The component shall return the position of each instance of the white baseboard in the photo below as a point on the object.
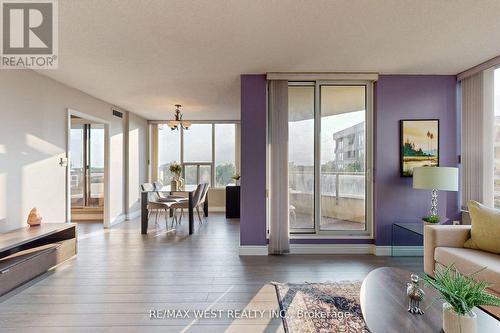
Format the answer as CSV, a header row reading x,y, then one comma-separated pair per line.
x,y
253,250
119,219
134,214
258,250
408,251
381,250
221,209
331,249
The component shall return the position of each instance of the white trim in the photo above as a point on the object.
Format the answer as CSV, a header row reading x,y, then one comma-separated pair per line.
x,y
261,250
382,250
331,248
321,76
327,236
479,68
216,209
107,172
119,219
133,215
408,251
253,250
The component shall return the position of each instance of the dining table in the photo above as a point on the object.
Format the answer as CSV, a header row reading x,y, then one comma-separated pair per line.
x,y
187,190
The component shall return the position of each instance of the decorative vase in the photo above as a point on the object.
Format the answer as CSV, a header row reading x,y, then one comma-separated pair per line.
x,y
180,182
174,184
456,323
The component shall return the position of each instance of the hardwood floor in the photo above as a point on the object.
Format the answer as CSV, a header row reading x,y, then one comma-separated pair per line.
x,y
119,276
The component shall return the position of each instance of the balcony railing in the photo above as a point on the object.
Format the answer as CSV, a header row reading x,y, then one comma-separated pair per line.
x,y
334,184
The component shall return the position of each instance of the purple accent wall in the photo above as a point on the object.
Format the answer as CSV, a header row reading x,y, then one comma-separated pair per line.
x,y
396,97
253,160
411,97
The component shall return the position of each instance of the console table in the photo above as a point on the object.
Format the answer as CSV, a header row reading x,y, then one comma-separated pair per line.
x,y
30,251
233,202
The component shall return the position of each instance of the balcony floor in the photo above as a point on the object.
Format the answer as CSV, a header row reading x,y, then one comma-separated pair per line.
x,y
327,223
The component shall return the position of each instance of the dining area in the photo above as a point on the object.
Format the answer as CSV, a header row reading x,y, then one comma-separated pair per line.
x,y
173,202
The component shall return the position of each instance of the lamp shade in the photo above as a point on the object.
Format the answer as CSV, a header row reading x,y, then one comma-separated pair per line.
x,y
436,178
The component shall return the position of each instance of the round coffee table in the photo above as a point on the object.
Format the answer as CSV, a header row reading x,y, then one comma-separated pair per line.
x,y
384,305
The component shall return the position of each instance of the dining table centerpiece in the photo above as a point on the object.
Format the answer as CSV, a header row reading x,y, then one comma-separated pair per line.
x,y
177,182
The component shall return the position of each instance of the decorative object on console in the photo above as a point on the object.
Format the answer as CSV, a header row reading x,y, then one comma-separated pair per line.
x,y
34,219
435,178
415,295
236,177
419,140
431,219
461,293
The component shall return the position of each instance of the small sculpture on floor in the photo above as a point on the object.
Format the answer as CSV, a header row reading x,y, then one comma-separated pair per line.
x,y
34,218
415,294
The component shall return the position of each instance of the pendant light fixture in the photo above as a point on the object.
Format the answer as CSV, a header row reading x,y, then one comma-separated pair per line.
x,y
178,122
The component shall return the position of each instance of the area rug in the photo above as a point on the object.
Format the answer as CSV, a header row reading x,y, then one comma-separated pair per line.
x,y
321,307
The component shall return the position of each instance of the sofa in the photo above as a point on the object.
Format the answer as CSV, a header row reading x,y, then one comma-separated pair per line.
x,y
443,245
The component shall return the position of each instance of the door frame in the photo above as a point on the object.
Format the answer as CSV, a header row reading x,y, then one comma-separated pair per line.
x,y
106,123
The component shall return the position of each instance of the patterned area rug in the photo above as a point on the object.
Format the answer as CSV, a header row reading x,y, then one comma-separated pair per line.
x,y
321,307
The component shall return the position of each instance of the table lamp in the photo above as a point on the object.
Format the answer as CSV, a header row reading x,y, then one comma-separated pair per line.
x,y
435,178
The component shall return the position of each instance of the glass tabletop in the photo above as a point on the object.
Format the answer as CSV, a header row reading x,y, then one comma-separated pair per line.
x,y
185,188
415,227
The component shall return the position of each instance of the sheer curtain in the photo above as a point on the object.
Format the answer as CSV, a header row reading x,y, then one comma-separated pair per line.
x,y
279,206
477,137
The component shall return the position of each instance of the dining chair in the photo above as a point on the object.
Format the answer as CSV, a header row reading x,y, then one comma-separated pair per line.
x,y
184,204
155,206
203,198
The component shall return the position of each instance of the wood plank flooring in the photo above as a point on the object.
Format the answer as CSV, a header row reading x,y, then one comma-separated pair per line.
x,y
120,275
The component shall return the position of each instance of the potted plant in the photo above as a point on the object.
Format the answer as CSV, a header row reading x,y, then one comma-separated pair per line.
x,y
177,181
236,178
431,219
461,294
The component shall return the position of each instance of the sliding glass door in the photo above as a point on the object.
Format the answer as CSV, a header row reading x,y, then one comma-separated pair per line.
x,y
87,165
329,157
343,165
301,156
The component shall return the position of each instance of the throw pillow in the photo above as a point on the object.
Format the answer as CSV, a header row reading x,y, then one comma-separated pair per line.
x,y
485,230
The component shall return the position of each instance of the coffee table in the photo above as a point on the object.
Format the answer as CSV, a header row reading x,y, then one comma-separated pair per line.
x,y
384,305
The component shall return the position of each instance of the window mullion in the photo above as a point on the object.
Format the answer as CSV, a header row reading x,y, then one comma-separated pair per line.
x,y
317,158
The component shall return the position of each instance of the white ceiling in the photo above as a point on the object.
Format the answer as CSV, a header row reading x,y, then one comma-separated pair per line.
x,y
146,56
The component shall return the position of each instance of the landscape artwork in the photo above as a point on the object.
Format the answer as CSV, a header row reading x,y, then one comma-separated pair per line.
x,y
419,144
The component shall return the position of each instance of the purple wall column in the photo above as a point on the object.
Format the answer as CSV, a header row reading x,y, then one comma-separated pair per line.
x,y
396,97
411,97
253,160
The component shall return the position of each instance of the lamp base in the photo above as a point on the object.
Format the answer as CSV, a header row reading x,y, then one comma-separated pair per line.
x,y
434,202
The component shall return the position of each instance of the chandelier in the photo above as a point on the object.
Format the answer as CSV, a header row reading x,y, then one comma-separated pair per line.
x,y
178,122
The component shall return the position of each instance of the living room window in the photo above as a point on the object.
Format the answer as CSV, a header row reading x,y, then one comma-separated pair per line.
x,y
330,189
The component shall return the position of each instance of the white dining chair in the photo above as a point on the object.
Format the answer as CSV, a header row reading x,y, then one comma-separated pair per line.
x,y
184,203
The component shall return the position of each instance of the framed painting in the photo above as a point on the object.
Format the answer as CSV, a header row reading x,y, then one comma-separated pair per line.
x,y
419,141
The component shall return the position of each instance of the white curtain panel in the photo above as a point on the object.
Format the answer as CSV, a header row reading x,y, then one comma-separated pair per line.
x,y
472,138
279,206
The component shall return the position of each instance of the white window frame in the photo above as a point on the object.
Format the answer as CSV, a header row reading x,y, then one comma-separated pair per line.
x,y
213,184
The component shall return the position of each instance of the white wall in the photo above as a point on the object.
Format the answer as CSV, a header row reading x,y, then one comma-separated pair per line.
x,y
33,120
137,172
